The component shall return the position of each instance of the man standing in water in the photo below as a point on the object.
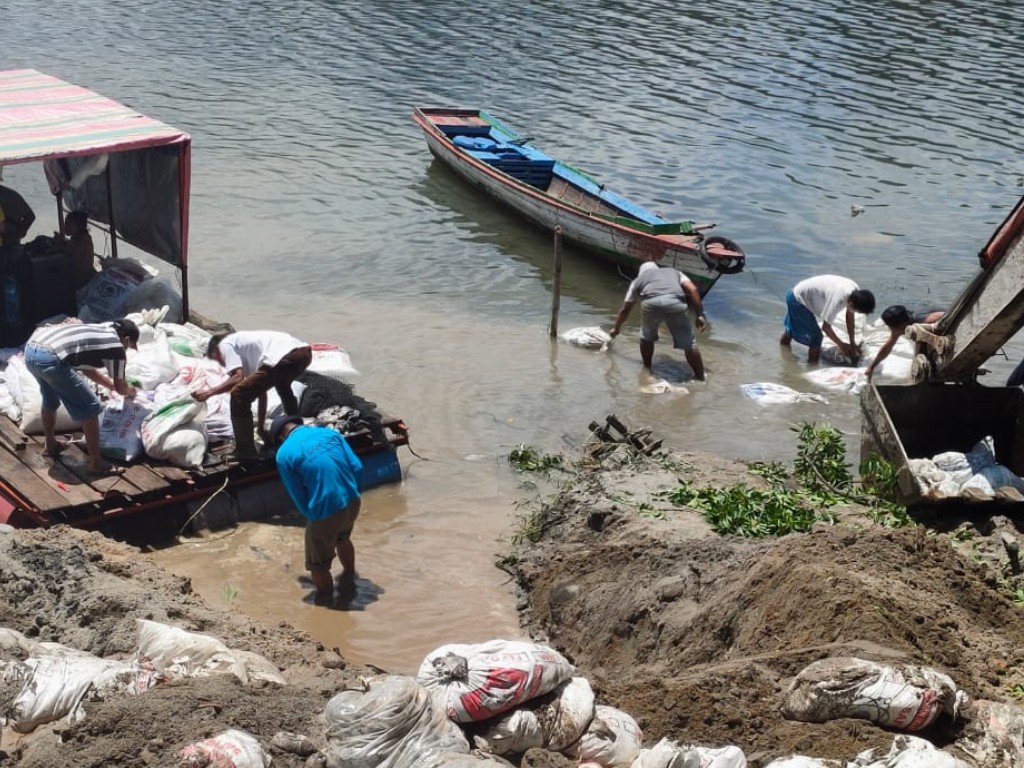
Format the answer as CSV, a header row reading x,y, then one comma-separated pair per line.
x,y
821,299
664,293
322,475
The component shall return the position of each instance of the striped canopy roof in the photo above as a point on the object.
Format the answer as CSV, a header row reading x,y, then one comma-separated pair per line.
x,y
42,116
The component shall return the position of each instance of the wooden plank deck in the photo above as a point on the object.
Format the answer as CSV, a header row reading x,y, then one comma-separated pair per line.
x,y
576,197
53,490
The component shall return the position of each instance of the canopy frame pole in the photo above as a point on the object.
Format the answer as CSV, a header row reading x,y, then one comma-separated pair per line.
x,y
110,213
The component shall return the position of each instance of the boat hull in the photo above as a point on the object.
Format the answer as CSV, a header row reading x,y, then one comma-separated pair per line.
x,y
614,243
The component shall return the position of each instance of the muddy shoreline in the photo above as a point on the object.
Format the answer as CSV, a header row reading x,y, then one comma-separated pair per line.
x,y
694,634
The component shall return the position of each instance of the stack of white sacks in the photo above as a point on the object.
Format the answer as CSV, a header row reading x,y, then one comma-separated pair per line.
x,y
473,706
163,421
494,699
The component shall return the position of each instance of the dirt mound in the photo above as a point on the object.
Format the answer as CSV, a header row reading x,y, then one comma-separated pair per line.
x,y
698,635
85,591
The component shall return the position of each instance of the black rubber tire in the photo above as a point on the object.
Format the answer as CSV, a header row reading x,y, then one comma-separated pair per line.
x,y
726,266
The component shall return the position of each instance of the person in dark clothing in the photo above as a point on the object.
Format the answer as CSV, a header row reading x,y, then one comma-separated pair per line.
x,y
16,216
256,361
898,318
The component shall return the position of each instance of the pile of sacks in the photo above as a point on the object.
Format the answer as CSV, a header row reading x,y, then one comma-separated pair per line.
x,y
474,705
55,682
163,421
975,475
484,705
478,705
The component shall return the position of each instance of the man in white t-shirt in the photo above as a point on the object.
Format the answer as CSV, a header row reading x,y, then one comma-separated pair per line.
x,y
255,362
819,300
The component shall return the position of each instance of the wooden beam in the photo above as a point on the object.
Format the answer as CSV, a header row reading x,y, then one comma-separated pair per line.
x,y
985,316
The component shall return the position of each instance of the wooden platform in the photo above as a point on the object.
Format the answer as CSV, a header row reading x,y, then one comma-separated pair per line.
x,y
37,490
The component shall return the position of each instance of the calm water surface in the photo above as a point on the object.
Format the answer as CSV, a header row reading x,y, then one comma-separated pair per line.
x,y
317,209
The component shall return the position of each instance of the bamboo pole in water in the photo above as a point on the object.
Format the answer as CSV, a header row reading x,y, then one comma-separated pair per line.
x,y
556,299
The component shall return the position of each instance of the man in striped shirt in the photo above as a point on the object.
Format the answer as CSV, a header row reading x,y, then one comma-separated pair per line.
x,y
62,357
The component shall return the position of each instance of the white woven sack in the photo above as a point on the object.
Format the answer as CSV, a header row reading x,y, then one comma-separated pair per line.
x,y
391,723
176,433
668,754
477,682
24,388
905,697
593,337
230,749
612,740
909,752
554,721
121,429
181,654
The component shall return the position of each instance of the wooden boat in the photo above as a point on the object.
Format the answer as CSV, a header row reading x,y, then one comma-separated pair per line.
x,y
139,196
552,194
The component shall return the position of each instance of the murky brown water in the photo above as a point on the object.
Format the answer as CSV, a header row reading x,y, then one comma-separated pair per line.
x,y
427,574
316,209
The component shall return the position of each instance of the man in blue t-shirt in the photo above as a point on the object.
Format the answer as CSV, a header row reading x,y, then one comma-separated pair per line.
x,y
322,475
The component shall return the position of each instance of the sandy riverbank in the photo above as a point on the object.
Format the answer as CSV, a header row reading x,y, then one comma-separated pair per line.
x,y
694,634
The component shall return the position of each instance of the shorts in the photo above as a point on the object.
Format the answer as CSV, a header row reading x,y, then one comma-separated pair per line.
x,y
60,383
801,324
324,536
670,309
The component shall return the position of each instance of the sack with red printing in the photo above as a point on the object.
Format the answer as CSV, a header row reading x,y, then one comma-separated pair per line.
x,y
612,740
904,697
553,721
477,682
230,749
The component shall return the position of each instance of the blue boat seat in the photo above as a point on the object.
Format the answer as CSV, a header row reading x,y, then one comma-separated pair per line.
x,y
524,163
465,130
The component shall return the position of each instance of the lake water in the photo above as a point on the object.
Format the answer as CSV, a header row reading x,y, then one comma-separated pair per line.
x,y
316,208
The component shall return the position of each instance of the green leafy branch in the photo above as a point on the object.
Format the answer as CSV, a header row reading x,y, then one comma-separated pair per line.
x,y
821,479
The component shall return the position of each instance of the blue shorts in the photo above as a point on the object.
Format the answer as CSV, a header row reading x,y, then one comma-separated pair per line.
x,y
669,309
60,383
801,324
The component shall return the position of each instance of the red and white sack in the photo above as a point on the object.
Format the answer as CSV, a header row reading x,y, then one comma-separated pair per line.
x,y
667,754
231,749
477,682
554,721
904,697
331,360
612,740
